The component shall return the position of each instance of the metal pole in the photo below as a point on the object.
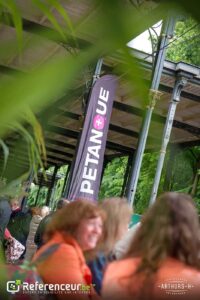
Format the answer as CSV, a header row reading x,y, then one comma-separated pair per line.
x,y
38,192
39,189
52,199
51,185
24,205
65,181
127,175
179,84
167,32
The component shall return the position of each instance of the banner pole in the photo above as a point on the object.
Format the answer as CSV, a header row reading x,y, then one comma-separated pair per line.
x,y
97,71
96,75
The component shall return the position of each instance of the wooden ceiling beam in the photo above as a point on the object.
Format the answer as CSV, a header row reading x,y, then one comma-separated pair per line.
x,y
74,134
58,152
155,117
59,143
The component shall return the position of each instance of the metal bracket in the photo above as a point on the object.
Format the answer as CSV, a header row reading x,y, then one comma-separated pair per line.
x,y
154,96
168,36
96,76
180,83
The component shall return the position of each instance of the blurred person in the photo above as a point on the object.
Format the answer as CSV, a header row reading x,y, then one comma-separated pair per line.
x,y
45,210
73,230
122,246
5,212
15,205
39,236
7,235
38,213
118,214
13,248
163,260
19,222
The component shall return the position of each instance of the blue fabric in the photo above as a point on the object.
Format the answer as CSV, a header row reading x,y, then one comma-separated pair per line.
x,y
97,267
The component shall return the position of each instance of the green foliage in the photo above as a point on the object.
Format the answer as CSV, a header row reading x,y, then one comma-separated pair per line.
x,y
15,189
113,178
62,171
113,23
187,49
32,197
10,6
186,43
5,154
197,200
183,171
183,166
23,95
56,192
145,182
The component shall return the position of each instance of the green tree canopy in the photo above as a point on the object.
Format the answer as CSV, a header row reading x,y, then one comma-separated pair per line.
x,y
186,43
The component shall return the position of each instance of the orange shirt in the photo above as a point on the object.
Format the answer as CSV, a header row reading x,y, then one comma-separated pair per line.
x,y
174,280
65,266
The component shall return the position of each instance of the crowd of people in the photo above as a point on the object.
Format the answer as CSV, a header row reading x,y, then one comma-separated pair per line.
x,y
80,245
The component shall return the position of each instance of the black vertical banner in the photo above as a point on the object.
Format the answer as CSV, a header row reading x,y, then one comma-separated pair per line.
x,y
86,176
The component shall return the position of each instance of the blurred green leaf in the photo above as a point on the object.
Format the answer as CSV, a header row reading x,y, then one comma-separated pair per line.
x,y
107,28
11,6
65,16
46,9
5,154
56,78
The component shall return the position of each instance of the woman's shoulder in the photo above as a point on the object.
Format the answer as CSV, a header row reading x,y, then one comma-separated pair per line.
x,y
66,249
124,266
171,265
117,278
126,261
62,256
70,247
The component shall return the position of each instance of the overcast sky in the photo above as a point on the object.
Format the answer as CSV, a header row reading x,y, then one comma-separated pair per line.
x,y
142,41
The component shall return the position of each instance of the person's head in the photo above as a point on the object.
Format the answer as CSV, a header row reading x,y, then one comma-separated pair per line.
x,y
35,211
118,214
82,219
14,203
44,211
169,229
62,203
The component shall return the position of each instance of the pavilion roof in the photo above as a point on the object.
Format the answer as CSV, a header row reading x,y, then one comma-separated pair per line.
x,y
64,119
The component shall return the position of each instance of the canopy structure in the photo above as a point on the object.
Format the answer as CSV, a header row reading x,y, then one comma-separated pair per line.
x,y
64,119
41,181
